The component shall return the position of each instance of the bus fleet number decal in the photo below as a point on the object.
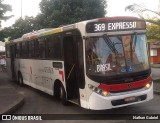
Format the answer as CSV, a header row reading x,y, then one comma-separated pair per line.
x,y
103,67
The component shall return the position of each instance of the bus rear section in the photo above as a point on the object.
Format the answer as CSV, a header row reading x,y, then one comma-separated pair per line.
x,y
117,66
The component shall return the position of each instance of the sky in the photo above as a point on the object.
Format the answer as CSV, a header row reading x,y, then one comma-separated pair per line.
x,y
29,8
114,8
117,7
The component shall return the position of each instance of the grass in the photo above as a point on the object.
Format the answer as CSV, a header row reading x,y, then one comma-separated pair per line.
x,y
155,65
158,81
156,85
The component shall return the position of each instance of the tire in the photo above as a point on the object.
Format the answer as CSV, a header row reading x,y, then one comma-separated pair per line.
x,y
20,79
62,95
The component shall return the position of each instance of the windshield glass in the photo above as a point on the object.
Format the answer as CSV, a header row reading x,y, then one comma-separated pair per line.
x,y
111,55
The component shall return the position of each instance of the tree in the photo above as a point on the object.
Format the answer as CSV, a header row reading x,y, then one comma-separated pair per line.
x,y
153,32
61,12
55,13
144,13
3,9
20,27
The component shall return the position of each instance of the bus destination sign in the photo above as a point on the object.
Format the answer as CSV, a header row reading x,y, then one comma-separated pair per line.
x,y
94,27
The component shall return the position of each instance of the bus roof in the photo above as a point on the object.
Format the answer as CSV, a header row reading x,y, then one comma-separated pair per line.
x,y
118,18
49,31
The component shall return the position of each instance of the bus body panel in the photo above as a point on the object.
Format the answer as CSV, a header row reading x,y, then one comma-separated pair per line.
x,y
39,74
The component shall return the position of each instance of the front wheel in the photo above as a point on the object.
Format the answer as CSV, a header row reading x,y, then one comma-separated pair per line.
x,y
62,95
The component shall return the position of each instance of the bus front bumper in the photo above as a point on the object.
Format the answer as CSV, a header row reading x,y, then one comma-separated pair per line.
x,y
98,102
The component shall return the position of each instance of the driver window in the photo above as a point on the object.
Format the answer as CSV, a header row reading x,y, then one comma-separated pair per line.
x,y
92,57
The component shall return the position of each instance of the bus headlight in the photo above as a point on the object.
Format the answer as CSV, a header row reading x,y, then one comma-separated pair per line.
x,y
98,91
148,85
105,93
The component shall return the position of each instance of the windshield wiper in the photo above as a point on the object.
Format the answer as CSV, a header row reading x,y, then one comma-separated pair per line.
x,y
110,44
132,44
135,40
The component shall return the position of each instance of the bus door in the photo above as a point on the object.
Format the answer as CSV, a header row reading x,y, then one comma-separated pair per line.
x,y
12,67
70,64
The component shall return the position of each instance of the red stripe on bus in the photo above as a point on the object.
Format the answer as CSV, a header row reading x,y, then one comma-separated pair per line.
x,y
125,86
62,74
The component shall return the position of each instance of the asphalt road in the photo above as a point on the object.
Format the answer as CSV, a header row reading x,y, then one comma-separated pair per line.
x,y
37,102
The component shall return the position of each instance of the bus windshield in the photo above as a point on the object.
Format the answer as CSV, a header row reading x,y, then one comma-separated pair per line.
x,y
112,55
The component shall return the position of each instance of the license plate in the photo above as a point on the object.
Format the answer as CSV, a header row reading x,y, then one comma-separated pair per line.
x,y
130,99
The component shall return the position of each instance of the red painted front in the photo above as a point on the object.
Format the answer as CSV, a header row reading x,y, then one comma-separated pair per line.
x,y
125,86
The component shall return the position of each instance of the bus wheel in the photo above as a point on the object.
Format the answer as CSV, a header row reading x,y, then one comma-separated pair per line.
x,y
20,79
62,95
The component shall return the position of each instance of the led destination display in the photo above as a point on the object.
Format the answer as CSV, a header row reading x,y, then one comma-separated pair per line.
x,y
94,27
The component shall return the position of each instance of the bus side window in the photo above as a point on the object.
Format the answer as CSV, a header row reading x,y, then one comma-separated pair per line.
x,y
50,47
31,49
37,52
22,50
57,48
54,47
42,43
18,50
25,49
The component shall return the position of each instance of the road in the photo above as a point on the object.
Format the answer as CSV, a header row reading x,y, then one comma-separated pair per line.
x,y
37,102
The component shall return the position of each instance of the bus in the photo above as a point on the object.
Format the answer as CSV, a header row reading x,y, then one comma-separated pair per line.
x,y
97,64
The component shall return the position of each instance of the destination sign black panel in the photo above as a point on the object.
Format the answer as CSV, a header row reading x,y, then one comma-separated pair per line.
x,y
94,27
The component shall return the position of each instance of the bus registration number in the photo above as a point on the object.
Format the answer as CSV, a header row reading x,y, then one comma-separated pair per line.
x,y
130,99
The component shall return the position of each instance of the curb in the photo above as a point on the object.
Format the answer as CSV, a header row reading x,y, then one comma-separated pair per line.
x,y
156,92
155,67
155,78
12,109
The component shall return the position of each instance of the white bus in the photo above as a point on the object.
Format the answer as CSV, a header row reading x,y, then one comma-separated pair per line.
x,y
97,64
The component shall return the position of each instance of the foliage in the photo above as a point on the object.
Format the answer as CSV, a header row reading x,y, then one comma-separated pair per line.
x,y
61,12
20,27
153,29
153,32
158,81
55,13
2,35
145,13
3,9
